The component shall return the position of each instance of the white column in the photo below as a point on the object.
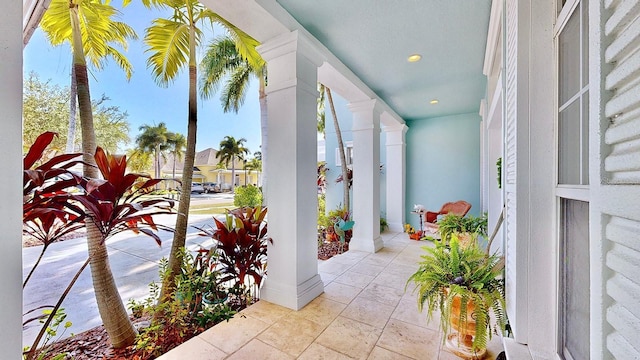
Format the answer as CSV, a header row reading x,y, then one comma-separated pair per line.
x,y
292,64
366,176
395,169
11,180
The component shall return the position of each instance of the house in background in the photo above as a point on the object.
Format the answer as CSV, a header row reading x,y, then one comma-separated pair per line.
x,y
558,101
208,169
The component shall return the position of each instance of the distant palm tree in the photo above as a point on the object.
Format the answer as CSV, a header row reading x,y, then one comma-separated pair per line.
x,y
177,145
63,21
172,44
254,164
154,140
138,161
237,62
229,151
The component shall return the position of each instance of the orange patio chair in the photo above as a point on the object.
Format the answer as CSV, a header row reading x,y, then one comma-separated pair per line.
x,y
460,208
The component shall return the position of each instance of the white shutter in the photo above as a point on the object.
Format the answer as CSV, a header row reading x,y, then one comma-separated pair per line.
x,y
515,251
616,216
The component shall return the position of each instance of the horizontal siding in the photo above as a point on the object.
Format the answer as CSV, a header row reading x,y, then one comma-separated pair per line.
x,y
623,287
622,165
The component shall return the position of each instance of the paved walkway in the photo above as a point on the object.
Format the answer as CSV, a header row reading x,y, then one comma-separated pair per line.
x,y
134,261
364,313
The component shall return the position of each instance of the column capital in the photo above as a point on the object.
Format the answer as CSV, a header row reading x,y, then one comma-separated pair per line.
x,y
294,41
396,134
396,128
371,105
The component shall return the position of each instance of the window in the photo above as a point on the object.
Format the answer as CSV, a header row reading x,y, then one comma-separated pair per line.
x,y
348,153
573,97
572,192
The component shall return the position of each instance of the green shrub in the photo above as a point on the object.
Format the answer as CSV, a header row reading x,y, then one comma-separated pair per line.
x,y
383,224
247,196
187,312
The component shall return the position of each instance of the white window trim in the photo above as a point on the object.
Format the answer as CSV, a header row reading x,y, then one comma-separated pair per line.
x,y
348,145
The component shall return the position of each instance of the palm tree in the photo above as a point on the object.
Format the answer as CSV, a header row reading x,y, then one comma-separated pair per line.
x,y
63,22
97,47
237,61
172,45
154,140
229,151
343,158
138,161
177,144
253,164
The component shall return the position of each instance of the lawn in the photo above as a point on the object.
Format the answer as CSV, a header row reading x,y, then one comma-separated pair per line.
x,y
210,209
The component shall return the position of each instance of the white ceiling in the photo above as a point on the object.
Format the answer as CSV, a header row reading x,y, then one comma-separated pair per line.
x,y
373,38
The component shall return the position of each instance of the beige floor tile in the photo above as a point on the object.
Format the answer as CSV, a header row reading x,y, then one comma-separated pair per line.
x,y
327,278
340,292
292,334
382,294
319,352
367,269
256,349
230,336
332,267
405,270
346,259
380,259
354,279
321,311
407,311
369,312
350,337
410,340
446,355
379,353
266,311
194,349
494,347
392,280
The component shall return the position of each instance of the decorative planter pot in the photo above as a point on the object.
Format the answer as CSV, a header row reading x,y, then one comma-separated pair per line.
x,y
457,343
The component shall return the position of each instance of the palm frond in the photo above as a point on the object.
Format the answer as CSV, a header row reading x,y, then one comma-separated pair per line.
x,y
168,45
236,89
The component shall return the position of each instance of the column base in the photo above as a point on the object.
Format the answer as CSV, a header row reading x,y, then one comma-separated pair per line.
x,y
366,244
292,297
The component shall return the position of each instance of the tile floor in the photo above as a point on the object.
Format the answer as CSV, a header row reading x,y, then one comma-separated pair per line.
x,y
364,313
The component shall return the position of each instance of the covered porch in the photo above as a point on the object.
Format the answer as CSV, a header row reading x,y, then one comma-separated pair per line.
x,y
363,313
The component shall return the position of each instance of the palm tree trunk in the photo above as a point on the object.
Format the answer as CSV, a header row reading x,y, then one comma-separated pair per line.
x,y
343,158
110,306
264,134
233,175
73,96
180,234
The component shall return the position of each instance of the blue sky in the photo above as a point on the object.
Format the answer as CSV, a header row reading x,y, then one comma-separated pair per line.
x,y
141,98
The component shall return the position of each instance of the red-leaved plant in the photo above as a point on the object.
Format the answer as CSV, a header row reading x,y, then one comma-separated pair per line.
x,y
46,214
240,244
58,201
120,201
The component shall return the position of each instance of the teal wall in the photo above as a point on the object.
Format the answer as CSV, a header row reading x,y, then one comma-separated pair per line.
x,y
443,163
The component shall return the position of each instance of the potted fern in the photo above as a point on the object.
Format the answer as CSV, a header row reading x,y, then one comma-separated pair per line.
x,y
466,228
464,284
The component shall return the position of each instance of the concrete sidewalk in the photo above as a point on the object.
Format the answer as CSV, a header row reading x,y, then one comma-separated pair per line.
x,y
134,261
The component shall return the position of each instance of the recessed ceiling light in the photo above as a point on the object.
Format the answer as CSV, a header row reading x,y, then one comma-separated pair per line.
x,y
414,58
434,101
